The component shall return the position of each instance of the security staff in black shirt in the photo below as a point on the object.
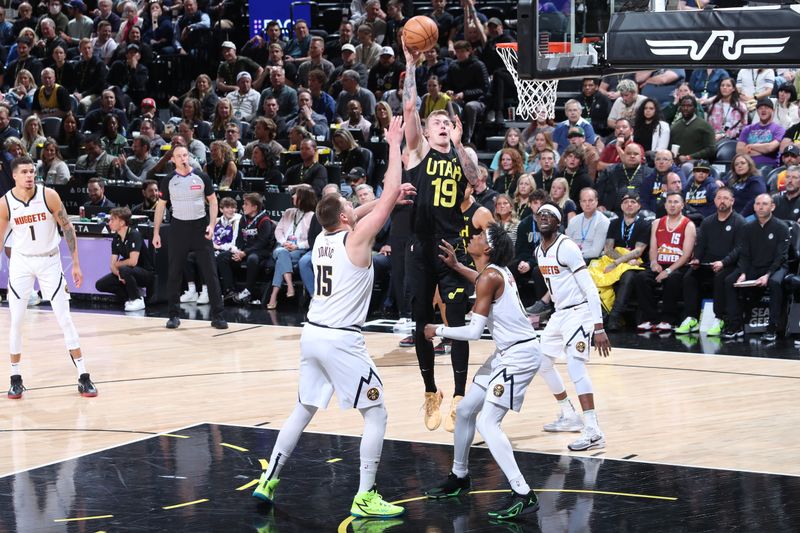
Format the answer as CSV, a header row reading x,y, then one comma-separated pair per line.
x,y
787,204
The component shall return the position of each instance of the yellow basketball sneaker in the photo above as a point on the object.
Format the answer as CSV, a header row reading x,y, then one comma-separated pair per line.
x,y
265,490
450,421
370,504
433,414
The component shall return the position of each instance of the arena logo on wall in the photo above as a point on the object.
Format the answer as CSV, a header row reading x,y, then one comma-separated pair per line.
x,y
280,10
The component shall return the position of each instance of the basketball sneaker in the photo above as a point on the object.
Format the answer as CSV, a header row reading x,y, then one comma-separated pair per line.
x,y
188,297
17,388
443,348
645,326
85,386
663,326
202,298
589,439
243,297
433,414
716,328
407,342
566,424
265,490
370,504
450,421
516,505
454,486
689,325
134,305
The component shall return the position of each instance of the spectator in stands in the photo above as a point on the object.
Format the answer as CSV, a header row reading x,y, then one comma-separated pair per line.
x,y
595,106
445,22
131,264
103,45
297,49
524,267
112,141
313,122
727,113
747,184
131,75
205,96
348,63
762,258
149,197
291,236
623,136
626,241
432,65
308,171
6,33
468,83
572,108
654,185
315,62
626,105
264,131
547,170
147,110
715,257
63,70
659,85
191,27
157,30
672,184
672,240
95,118
693,135
572,167
649,130
147,130
776,180
705,82
68,135
542,141
106,13
509,170
511,140
278,59
786,110
196,148
264,164
232,136
96,187
321,102
385,75
525,186
24,61
383,117
25,19
351,90
626,177
590,228
221,167
368,51
755,84
335,46
20,97
244,99
787,203
223,114
51,168
394,97
90,74
285,95
761,139
505,215
32,136
50,39
435,100
355,119
347,152
136,166
481,191
560,194
191,112
591,156
252,250
270,111
96,159
701,190
395,20
6,130
232,65
51,99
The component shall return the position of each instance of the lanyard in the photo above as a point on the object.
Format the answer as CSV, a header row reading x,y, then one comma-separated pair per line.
x,y
626,238
296,221
630,178
585,232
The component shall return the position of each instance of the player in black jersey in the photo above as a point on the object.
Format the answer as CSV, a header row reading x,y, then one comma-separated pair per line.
x,y
476,219
440,168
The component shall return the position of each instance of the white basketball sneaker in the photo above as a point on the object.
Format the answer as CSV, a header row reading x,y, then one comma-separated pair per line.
x,y
590,438
567,424
189,296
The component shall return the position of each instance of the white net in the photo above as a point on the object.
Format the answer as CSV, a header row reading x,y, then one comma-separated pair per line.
x,y
537,98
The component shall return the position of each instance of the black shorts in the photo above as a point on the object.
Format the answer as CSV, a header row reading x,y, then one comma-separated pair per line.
x,y
425,271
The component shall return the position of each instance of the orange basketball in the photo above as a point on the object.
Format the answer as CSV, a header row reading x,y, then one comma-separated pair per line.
x,y
420,33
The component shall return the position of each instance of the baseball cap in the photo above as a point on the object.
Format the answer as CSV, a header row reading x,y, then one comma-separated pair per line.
x,y
228,44
357,173
77,4
131,47
386,51
767,102
148,102
350,48
576,131
792,149
630,196
244,74
494,21
702,164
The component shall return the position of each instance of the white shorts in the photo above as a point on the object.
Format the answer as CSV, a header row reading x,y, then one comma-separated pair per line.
x,y
336,360
569,333
505,376
24,270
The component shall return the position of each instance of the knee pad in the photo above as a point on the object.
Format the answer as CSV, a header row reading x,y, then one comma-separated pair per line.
x,y
579,376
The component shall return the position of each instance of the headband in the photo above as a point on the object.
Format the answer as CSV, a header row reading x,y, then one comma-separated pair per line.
x,y
552,210
489,239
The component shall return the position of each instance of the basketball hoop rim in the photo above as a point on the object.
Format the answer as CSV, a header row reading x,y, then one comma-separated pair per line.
x,y
506,45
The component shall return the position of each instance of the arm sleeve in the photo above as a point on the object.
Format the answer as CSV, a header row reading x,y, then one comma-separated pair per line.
x,y
470,332
587,286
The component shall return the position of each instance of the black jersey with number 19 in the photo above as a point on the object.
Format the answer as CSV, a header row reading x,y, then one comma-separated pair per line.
x,y
440,184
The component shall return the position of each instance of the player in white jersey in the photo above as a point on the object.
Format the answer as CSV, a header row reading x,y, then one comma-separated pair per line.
x,y
577,320
500,384
34,212
333,356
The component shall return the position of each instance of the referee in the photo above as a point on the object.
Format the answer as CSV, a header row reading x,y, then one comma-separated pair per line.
x,y
188,191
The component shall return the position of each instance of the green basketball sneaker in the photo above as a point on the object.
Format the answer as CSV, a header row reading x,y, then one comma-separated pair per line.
x,y
516,505
716,328
265,490
370,504
689,325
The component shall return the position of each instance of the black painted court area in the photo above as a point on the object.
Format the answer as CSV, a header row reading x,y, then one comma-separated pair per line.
x,y
197,480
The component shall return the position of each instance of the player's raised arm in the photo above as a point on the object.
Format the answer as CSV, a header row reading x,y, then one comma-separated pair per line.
x,y
414,135
366,228
57,208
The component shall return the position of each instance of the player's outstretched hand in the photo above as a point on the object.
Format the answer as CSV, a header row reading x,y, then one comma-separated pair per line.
x,y
602,344
448,255
456,131
405,195
77,275
412,56
430,331
394,134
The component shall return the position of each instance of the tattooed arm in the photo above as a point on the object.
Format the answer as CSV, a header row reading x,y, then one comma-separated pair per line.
x,y
466,157
53,202
415,139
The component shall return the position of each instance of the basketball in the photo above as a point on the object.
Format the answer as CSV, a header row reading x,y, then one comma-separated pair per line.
x,y
420,33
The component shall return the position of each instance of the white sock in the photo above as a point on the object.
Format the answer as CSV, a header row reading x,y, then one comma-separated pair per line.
x,y
567,410
15,369
79,365
519,485
590,418
371,445
192,287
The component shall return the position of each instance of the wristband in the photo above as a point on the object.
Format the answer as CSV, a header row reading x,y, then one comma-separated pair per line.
x,y
439,330
601,330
